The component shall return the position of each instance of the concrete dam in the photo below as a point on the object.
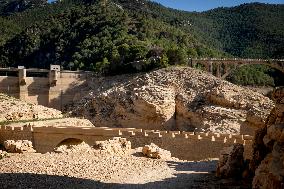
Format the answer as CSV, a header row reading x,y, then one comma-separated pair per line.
x,y
52,88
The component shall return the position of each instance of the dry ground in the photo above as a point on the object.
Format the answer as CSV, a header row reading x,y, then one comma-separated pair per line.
x,y
95,169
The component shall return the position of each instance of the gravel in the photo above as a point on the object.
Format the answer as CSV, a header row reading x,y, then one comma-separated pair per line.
x,y
97,169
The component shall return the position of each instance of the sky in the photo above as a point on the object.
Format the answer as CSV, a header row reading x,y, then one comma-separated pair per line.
x,y
203,5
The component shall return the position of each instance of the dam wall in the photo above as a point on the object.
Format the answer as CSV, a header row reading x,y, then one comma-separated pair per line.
x,y
51,88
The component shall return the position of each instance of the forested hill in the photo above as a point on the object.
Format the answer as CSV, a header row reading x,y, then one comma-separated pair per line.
x,y
250,30
105,36
8,7
91,36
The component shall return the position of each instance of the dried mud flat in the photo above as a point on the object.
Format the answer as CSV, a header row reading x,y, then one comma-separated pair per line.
x,y
95,169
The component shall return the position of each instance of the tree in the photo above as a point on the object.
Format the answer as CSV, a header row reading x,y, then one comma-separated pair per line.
x,y
164,61
177,56
102,66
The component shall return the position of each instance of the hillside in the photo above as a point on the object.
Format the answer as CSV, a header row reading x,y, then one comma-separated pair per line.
x,y
92,37
248,31
8,7
177,98
106,39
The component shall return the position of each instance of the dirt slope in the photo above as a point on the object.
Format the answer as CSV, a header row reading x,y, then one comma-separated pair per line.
x,y
174,98
12,109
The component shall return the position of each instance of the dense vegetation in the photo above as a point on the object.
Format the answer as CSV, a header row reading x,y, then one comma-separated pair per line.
x,y
126,36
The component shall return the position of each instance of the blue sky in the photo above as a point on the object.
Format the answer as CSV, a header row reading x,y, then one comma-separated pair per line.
x,y
202,5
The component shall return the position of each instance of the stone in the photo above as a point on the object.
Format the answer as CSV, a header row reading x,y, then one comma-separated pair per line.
x,y
3,154
266,179
268,148
275,132
182,105
117,145
153,151
178,98
12,109
231,162
19,146
72,146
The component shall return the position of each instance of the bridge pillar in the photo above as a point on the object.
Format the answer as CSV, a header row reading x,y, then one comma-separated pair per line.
x,y
23,90
207,67
225,71
210,67
218,71
53,76
22,75
226,68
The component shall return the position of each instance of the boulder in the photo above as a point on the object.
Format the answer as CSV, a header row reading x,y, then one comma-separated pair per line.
x,y
117,145
153,151
268,148
19,146
231,162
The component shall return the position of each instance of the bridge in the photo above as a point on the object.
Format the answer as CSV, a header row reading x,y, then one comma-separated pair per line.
x,y
222,68
197,145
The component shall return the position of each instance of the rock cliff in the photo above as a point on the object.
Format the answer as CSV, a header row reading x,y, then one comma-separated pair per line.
x,y
268,146
177,98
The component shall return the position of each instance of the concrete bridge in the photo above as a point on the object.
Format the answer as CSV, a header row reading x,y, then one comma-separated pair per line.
x,y
224,67
183,145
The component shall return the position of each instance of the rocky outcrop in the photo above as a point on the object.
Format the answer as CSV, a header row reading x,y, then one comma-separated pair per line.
x,y
268,155
12,109
117,145
231,162
178,98
19,146
153,151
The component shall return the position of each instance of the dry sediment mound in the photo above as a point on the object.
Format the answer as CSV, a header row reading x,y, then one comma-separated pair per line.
x,y
18,146
178,98
63,122
80,166
12,109
73,146
117,145
268,155
94,169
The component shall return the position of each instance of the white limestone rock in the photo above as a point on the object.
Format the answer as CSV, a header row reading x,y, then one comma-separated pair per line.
x,y
153,151
178,98
18,146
